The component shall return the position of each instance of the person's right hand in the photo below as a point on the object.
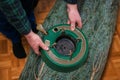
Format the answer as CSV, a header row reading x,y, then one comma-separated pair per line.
x,y
35,42
74,16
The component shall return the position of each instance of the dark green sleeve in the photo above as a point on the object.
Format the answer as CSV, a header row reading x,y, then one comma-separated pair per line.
x,y
16,15
71,1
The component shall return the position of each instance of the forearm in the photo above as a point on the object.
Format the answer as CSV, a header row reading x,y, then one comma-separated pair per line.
x,y
71,7
16,15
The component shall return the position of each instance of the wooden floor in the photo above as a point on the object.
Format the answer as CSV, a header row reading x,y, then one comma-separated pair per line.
x,y
11,67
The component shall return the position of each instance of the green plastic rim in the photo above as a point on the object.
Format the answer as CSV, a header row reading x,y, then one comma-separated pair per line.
x,y
60,62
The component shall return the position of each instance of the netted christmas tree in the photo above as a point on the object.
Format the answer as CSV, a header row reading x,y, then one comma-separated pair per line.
x,y
99,22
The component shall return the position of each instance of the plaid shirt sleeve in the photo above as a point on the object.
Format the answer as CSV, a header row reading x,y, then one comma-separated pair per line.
x,y
16,15
71,1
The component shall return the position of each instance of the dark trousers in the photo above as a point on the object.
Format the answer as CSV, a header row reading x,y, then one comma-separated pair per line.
x,y
9,31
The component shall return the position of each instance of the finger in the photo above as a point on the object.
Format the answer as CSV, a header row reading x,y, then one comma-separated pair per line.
x,y
36,49
72,26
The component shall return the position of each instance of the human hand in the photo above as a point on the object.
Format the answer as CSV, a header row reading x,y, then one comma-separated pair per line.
x,y
74,16
35,42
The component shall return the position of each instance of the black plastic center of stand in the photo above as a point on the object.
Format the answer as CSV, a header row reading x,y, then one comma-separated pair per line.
x,y
65,45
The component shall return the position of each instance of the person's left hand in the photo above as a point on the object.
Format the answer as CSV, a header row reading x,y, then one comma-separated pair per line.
x,y
74,16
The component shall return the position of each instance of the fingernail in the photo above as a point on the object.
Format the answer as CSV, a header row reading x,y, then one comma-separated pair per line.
x,y
46,48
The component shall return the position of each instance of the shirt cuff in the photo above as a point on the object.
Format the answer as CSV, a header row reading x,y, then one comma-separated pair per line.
x,y
71,1
25,29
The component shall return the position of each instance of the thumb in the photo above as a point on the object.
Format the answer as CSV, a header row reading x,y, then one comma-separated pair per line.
x,y
43,46
79,24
